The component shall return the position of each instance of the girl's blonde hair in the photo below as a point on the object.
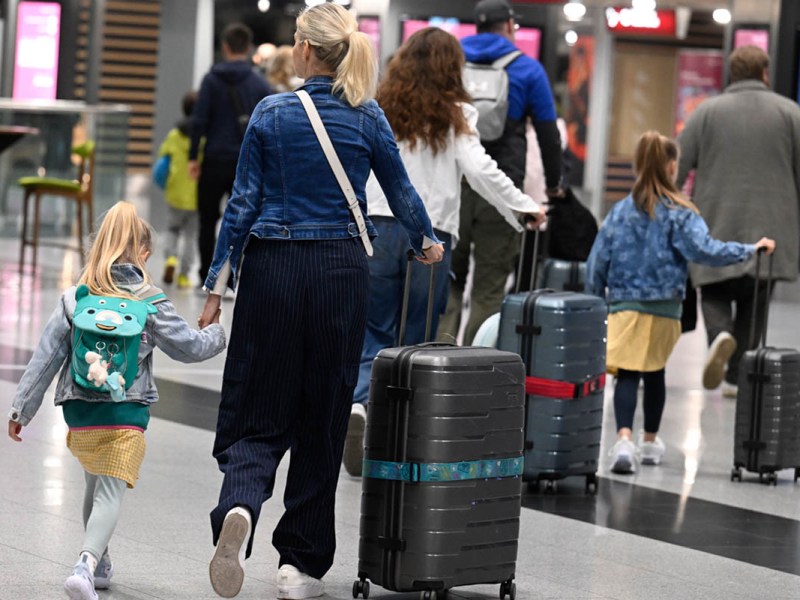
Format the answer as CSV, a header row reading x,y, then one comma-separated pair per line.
x,y
123,237
281,69
653,182
332,32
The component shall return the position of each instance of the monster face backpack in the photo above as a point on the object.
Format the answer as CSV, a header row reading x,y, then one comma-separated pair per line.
x,y
106,333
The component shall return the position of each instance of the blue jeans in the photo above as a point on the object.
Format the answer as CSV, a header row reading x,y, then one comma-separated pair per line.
x,y
387,274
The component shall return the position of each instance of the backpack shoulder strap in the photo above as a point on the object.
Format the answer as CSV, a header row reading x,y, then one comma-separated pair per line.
x,y
151,294
504,61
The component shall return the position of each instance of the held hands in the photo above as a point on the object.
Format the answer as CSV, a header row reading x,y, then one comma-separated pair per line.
x,y
211,311
767,244
433,254
194,169
14,429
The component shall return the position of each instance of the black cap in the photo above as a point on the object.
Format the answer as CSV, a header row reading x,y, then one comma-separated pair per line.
x,y
492,11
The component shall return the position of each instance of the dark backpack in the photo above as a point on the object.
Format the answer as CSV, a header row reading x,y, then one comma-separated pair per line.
x,y
571,228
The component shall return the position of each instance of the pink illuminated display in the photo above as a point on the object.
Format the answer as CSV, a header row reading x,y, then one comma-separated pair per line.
x,y
527,39
751,37
36,57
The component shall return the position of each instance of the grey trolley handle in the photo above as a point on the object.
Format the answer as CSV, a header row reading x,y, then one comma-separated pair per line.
x,y
406,293
762,341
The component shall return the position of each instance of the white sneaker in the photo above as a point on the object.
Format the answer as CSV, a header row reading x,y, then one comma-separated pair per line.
x,y
226,569
103,573
80,585
651,453
623,457
729,390
353,457
719,353
294,585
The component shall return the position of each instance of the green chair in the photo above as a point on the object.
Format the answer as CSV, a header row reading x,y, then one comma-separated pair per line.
x,y
79,190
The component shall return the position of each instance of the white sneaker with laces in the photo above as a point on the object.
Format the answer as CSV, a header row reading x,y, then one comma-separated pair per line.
x,y
294,585
719,353
353,458
226,569
651,453
103,573
623,457
80,585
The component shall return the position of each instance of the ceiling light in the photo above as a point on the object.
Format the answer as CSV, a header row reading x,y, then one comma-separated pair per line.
x,y
263,5
343,2
643,4
311,3
574,11
722,16
571,37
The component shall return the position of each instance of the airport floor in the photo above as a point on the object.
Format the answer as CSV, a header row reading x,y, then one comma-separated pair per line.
x,y
677,531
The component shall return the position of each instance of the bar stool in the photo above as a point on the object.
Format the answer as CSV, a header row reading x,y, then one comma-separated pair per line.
x,y
79,190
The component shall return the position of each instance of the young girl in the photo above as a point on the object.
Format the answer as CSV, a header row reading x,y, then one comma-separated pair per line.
x,y
106,430
639,263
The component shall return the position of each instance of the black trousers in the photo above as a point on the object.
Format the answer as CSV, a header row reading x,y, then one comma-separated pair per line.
x,y
292,366
216,180
728,306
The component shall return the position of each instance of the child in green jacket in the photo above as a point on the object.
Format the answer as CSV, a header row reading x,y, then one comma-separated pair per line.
x,y
180,193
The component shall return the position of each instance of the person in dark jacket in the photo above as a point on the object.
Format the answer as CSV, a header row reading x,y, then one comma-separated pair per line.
x,y
494,242
228,94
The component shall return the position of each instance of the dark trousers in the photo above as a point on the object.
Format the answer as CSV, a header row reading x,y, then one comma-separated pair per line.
x,y
216,180
625,393
717,301
298,329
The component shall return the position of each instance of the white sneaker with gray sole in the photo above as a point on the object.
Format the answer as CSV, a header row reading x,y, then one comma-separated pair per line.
x,y
226,569
719,353
294,585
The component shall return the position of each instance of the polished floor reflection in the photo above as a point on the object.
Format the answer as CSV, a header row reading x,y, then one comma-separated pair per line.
x,y
680,530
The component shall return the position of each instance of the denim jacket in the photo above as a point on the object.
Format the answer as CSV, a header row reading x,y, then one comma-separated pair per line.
x,y
636,258
286,190
165,329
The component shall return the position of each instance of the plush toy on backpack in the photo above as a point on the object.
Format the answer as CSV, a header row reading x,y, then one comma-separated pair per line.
x,y
105,341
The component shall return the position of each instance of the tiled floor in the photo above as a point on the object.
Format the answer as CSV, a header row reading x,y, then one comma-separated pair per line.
x,y
681,530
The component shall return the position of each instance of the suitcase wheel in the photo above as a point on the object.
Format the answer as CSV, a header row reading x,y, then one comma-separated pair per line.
x,y
796,474
768,478
432,595
361,588
533,486
550,487
508,588
591,483
736,474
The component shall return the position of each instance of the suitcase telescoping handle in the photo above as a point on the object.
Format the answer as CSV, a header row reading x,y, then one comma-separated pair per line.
x,y
762,341
535,263
407,292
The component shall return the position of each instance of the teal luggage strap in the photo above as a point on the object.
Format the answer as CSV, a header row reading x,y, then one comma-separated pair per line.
x,y
455,471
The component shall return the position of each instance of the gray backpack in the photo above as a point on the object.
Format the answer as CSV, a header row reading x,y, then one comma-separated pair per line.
x,y
488,86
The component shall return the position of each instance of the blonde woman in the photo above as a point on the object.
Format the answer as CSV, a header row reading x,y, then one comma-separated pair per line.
x,y
106,434
281,75
301,307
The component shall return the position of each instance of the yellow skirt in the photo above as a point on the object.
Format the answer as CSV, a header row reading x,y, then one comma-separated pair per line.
x,y
639,341
114,452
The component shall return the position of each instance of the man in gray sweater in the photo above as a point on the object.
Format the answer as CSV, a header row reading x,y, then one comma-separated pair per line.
x,y
745,147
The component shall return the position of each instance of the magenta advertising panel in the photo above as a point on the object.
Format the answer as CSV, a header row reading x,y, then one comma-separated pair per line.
x,y
699,78
751,37
36,55
372,27
527,39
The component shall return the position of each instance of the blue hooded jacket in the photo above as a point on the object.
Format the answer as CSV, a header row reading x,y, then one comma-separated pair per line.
x,y
529,89
215,115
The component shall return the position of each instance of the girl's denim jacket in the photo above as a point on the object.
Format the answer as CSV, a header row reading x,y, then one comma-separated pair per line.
x,y
636,258
285,189
165,329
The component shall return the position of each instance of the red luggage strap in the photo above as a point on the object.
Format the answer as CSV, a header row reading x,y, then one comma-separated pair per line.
x,y
563,390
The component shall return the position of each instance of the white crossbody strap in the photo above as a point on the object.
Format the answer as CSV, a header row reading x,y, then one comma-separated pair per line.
x,y
336,167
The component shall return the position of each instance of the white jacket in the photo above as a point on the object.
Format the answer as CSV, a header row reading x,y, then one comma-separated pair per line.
x,y
437,178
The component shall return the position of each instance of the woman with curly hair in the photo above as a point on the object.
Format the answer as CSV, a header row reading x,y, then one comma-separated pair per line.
x,y
429,110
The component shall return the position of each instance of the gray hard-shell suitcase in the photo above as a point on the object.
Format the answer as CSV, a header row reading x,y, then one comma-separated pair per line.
x,y
563,275
561,337
767,426
443,453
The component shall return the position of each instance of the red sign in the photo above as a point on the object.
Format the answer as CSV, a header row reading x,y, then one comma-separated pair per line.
x,y
632,21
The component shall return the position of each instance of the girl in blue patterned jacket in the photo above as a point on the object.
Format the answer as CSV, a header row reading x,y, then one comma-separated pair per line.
x,y
639,264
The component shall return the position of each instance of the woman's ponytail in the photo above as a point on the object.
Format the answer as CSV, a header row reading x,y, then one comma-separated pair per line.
x,y
332,32
357,74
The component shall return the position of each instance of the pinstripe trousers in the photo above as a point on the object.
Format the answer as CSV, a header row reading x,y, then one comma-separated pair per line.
x,y
292,364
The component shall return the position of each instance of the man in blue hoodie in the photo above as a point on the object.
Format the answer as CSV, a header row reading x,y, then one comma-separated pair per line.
x,y
495,243
228,94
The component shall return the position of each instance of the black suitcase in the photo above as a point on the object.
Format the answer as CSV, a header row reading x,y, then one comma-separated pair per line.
x,y
443,458
767,426
561,337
